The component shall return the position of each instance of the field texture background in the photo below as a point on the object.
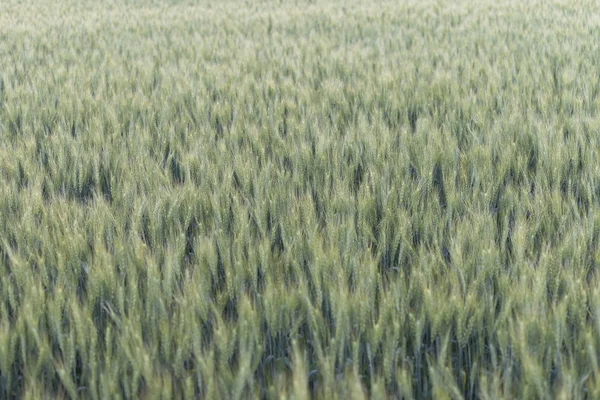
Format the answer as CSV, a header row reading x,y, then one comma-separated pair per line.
x,y
299,199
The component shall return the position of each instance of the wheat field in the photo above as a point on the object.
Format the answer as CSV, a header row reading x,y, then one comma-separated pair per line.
x,y
299,199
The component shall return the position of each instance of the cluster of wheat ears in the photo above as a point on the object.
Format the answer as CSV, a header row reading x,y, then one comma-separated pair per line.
x,y
295,199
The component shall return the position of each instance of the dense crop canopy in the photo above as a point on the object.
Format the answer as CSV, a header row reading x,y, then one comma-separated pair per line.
x,y
299,199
